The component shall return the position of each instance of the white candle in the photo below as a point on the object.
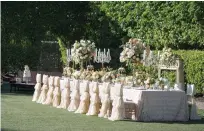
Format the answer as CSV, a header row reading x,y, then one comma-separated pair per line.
x,y
109,56
67,52
144,54
95,55
151,54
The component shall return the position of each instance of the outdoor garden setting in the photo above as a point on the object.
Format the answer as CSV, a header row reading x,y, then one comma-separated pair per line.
x,y
102,66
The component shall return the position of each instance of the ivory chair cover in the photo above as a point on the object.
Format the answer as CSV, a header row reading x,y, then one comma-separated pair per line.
x,y
65,94
75,96
84,98
106,101
56,92
94,100
49,96
37,88
44,90
193,108
118,110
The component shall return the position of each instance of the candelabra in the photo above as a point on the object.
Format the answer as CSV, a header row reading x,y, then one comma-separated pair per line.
x,y
102,56
69,56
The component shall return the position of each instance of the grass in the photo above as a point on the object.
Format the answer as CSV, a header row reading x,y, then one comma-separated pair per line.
x,y
19,113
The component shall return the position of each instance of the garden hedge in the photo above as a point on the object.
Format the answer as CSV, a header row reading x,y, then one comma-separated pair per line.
x,y
193,68
174,24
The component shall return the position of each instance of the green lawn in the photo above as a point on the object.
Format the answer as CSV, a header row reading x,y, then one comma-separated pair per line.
x,y
20,114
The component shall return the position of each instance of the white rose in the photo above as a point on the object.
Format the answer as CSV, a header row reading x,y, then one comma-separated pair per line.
x,y
82,41
86,56
80,48
122,59
122,53
126,50
72,50
77,51
93,44
130,53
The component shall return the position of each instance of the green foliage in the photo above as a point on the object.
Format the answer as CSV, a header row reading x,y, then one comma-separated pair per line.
x,y
62,51
69,21
193,67
25,24
178,25
170,75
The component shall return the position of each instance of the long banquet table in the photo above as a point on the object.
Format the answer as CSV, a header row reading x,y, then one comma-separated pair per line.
x,y
155,105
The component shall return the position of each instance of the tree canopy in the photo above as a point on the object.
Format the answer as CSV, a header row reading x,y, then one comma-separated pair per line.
x,y
179,25
24,24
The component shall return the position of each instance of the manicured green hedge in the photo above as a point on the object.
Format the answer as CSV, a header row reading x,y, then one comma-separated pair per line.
x,y
193,68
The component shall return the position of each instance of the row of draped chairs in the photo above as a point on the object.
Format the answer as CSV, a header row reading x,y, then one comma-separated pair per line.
x,y
81,96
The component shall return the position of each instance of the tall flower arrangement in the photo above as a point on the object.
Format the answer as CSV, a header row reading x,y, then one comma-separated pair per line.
x,y
82,51
132,51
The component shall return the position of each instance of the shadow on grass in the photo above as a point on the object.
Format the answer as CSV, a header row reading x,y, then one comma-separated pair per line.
x,y
7,129
171,122
5,90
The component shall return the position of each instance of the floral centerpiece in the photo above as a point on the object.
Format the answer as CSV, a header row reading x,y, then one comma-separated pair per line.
x,y
132,51
86,75
161,82
140,78
96,76
64,71
90,67
67,71
109,76
119,80
121,70
76,74
149,82
82,51
129,81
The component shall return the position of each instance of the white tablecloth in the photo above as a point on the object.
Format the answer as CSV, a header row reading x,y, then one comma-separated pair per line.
x,y
159,105
154,105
